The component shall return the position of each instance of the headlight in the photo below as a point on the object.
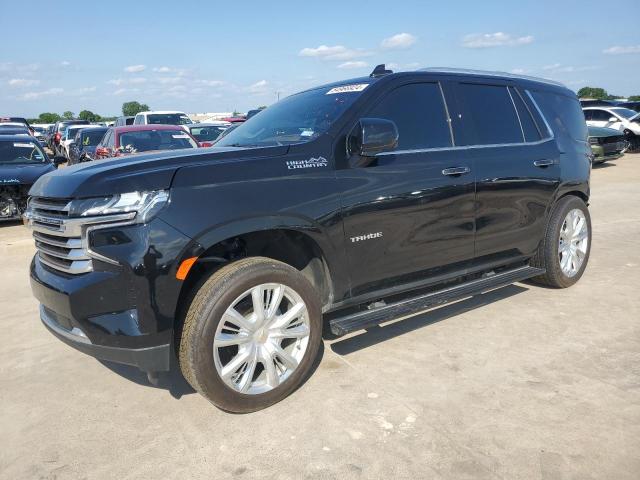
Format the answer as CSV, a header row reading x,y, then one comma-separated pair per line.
x,y
142,205
594,140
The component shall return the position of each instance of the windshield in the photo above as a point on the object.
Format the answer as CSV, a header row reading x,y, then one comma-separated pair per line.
x,y
296,119
147,140
92,137
21,152
168,119
11,130
207,134
70,132
624,112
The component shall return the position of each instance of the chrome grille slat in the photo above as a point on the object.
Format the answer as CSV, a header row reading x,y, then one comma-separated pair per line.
x,y
58,237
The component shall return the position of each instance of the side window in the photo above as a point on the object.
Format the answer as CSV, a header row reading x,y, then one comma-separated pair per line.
x,y
588,114
136,121
489,110
563,113
111,140
419,112
529,128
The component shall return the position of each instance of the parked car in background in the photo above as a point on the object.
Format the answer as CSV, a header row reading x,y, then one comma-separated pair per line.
x,y
68,137
238,119
19,120
592,102
40,134
132,139
162,118
606,144
22,162
123,121
207,133
631,105
622,119
84,144
58,130
253,112
14,128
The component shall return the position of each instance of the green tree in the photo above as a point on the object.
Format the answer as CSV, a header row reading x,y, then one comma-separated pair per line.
x,y
634,98
129,109
89,116
593,92
67,115
48,117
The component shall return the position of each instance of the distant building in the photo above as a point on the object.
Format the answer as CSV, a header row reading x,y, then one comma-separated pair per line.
x,y
202,117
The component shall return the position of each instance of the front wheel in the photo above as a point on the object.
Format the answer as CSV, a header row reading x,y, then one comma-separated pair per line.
x,y
564,251
251,334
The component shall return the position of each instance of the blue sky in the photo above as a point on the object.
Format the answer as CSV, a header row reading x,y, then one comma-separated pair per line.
x,y
202,56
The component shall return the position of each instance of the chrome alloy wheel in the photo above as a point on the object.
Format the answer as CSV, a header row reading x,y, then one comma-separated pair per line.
x,y
573,242
261,338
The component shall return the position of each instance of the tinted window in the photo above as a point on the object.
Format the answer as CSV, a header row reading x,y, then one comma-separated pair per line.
x,y
92,137
419,113
588,114
531,133
206,134
489,111
147,140
168,119
563,114
14,152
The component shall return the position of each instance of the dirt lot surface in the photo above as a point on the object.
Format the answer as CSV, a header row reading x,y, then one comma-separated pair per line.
x,y
521,383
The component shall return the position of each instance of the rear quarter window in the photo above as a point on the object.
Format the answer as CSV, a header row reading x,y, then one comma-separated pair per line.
x,y
563,113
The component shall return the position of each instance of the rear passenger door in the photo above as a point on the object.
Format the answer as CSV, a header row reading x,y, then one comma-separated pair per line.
x,y
405,218
517,168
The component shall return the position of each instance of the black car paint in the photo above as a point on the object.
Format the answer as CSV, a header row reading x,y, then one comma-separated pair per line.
x,y
433,227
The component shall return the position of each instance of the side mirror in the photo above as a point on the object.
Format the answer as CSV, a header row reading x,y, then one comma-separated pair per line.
x,y
59,160
372,136
613,119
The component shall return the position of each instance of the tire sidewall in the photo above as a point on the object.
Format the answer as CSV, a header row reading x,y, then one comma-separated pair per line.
x,y
221,296
553,238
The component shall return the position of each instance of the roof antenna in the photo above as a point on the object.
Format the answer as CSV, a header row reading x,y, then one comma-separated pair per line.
x,y
379,71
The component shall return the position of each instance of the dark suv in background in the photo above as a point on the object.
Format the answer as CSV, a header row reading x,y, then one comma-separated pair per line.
x,y
349,204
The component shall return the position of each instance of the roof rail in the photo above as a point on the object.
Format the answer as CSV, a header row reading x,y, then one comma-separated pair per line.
x,y
488,73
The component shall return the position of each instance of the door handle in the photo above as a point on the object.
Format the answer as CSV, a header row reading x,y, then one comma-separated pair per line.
x,y
456,171
543,163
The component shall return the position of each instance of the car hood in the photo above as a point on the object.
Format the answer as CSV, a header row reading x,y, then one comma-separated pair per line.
x,y
23,174
603,132
144,172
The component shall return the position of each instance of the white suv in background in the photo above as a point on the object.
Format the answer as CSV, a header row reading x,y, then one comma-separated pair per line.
x,y
619,118
168,117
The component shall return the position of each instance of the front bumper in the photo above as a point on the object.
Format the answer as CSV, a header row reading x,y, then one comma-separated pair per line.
x,y
150,359
122,313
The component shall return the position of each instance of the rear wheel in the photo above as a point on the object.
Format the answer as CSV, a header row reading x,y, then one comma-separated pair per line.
x,y
251,334
564,251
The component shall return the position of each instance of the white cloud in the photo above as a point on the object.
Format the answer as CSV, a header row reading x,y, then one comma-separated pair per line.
x,y
210,83
135,68
84,90
115,81
122,91
559,68
621,50
400,40
169,80
518,71
137,80
259,87
65,63
8,67
22,82
357,64
337,52
498,39
162,69
44,93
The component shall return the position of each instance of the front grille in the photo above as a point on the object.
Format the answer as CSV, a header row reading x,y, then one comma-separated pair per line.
x,y
611,139
58,238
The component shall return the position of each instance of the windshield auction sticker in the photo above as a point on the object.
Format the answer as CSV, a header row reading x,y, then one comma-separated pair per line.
x,y
358,87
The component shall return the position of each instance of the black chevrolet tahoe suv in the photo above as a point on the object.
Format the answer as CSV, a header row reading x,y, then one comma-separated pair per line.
x,y
335,209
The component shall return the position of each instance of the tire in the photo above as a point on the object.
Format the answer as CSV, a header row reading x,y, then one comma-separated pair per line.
x,y
549,255
209,322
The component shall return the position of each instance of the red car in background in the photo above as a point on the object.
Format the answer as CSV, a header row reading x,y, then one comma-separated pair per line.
x,y
234,119
132,139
